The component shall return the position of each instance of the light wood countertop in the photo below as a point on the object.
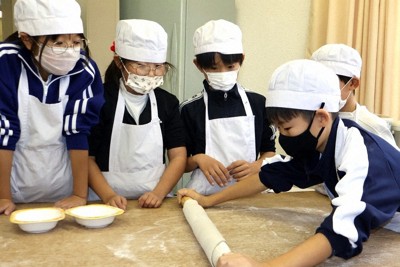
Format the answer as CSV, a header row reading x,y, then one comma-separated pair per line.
x,y
263,226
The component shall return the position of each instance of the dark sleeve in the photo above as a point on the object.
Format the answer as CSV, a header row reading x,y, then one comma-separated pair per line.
x,y
193,118
265,133
10,72
341,245
277,175
172,126
100,136
281,173
268,135
84,105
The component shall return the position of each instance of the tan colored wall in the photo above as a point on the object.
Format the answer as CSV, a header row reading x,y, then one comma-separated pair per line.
x,y
1,29
7,24
273,32
100,19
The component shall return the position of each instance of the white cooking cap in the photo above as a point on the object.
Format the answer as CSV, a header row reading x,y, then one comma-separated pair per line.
x,y
303,84
342,59
218,36
48,17
141,40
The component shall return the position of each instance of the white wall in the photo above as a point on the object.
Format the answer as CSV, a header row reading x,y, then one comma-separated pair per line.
x,y
274,32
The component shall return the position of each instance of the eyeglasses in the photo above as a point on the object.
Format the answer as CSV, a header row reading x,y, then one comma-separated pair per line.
x,y
144,70
59,47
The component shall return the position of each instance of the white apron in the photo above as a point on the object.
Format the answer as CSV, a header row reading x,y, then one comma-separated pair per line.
x,y
136,154
41,170
227,140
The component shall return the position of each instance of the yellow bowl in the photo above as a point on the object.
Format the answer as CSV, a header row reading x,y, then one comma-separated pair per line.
x,y
94,215
37,220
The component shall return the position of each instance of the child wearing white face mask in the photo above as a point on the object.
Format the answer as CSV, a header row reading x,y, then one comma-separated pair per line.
x,y
50,97
228,135
346,62
138,123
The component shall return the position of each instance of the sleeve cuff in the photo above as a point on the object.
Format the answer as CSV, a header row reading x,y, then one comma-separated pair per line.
x,y
77,141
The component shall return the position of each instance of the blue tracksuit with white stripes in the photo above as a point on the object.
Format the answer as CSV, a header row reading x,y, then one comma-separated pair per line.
x,y
84,91
362,174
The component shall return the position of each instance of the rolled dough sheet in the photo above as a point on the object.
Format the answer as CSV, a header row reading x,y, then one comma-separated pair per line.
x,y
206,233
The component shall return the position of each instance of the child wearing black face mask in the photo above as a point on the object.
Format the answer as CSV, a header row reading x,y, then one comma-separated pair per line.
x,y
300,146
360,169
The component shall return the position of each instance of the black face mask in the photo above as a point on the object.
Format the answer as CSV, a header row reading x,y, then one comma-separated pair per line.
x,y
302,145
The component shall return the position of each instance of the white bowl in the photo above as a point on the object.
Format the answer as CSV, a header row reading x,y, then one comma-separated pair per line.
x,y
94,215
37,220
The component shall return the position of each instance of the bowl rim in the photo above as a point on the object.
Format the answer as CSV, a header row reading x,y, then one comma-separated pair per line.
x,y
60,216
116,211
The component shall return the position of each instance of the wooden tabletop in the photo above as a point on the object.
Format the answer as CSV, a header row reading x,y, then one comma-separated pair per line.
x,y
263,226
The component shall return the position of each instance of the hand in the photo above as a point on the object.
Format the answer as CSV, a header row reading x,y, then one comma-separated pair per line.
x,y
6,206
236,260
242,169
213,170
150,200
117,201
70,202
186,192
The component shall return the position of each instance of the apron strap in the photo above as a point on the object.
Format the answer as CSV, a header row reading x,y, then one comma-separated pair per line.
x,y
153,105
245,100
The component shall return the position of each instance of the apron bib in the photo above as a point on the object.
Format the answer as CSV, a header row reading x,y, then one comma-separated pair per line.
x,y
41,170
227,140
136,154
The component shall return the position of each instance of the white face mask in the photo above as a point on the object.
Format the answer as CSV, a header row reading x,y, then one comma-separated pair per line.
x,y
343,102
142,84
58,64
223,81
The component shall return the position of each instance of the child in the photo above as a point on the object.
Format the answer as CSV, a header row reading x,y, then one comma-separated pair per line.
x,y
228,135
50,97
138,122
361,170
346,62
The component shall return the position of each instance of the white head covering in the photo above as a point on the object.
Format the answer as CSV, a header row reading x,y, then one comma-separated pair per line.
x,y
304,84
342,59
48,17
218,36
141,40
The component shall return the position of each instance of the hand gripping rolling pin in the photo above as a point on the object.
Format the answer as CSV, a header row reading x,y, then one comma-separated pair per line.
x,y
206,233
